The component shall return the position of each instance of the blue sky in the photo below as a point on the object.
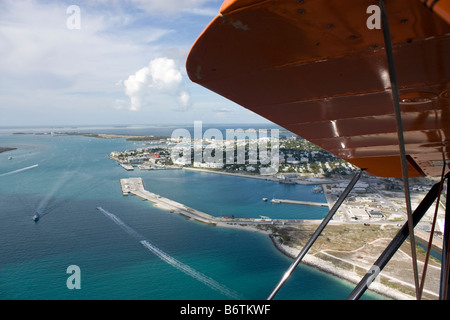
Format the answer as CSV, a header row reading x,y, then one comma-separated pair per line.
x,y
117,62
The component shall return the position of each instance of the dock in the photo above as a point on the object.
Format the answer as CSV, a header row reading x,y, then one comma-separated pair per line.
x,y
305,203
135,186
127,167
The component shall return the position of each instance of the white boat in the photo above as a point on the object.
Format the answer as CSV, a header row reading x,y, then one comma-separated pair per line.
x,y
36,217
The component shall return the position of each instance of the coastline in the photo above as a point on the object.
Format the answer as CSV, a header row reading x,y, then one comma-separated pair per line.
x,y
135,186
329,268
306,181
396,284
351,269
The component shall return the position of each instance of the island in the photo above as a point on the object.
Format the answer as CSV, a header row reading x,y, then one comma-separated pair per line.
x,y
360,230
358,233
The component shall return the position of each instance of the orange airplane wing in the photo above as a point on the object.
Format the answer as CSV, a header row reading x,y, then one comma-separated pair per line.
x,y
315,68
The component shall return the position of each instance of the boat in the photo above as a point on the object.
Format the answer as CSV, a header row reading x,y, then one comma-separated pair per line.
x,y
317,190
36,216
9,158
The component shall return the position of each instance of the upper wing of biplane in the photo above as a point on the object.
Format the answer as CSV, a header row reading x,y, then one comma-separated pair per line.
x,y
315,68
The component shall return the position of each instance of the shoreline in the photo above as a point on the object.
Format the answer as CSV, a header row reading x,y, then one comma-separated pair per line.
x,y
135,187
305,181
329,268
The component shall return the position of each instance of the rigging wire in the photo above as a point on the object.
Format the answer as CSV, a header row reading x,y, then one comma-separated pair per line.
x,y
430,241
316,234
445,268
396,101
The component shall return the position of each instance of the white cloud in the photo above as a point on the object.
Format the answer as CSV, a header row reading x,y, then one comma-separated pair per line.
x,y
203,11
35,40
161,79
185,101
165,76
170,7
48,67
50,74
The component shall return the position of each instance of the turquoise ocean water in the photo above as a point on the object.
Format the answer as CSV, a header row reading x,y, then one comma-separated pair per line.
x,y
184,260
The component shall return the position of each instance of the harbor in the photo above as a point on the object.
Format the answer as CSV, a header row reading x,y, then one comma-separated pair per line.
x,y
327,259
135,186
115,266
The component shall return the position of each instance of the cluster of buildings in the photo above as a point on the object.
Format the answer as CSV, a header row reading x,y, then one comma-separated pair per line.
x,y
144,158
361,213
295,156
338,188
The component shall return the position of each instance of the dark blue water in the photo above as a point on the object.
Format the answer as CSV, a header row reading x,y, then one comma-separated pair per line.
x,y
74,176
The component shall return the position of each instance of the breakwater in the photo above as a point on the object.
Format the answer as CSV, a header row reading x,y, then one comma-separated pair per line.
x,y
135,186
305,203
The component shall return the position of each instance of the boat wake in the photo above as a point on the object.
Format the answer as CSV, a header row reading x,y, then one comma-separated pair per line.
x,y
213,284
44,206
19,170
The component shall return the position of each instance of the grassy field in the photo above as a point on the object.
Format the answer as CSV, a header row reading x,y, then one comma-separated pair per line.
x,y
355,247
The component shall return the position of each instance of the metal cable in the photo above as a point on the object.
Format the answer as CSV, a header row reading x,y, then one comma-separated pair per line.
x,y
395,96
430,241
316,234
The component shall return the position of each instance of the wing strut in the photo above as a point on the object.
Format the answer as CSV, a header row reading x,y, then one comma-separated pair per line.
x,y
395,244
396,100
316,234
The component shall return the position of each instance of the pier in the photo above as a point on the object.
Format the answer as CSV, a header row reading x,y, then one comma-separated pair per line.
x,y
127,167
305,203
135,187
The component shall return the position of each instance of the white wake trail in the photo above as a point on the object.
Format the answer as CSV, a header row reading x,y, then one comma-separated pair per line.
x,y
213,284
44,202
171,260
19,170
122,224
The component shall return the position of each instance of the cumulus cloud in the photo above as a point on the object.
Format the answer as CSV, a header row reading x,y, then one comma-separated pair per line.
x,y
161,82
